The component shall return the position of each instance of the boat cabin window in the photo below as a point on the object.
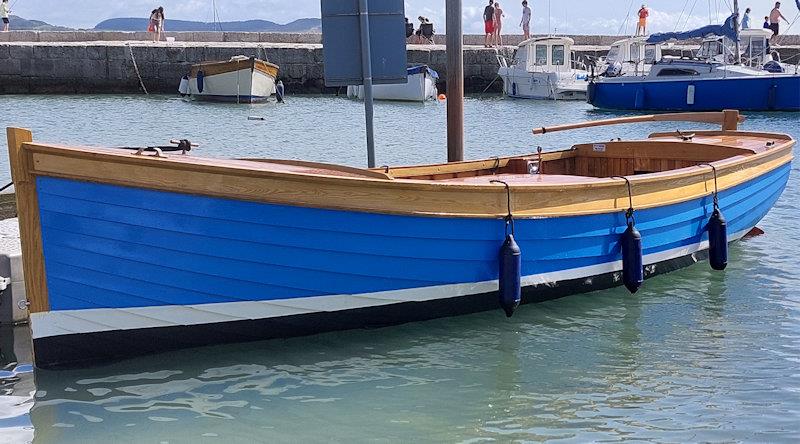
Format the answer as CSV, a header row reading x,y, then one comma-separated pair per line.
x,y
613,54
710,49
541,55
635,52
558,54
677,72
650,54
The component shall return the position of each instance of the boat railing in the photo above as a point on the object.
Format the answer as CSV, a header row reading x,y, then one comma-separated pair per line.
x,y
728,119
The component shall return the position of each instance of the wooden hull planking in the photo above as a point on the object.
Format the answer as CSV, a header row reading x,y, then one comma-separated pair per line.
x,y
137,246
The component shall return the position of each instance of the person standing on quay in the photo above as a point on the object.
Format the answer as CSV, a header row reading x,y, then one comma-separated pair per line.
x,y
775,17
488,24
4,12
526,20
641,28
498,24
157,23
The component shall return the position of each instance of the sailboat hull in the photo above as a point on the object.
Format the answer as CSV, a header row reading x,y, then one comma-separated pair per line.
x,y
761,93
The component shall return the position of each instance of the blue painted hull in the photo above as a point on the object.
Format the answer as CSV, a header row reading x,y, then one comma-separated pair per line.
x,y
158,270
774,93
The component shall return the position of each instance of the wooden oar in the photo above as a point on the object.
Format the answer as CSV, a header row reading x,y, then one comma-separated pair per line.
x,y
729,119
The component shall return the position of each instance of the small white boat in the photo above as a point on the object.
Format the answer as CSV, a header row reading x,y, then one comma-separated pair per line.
x,y
544,68
241,79
421,86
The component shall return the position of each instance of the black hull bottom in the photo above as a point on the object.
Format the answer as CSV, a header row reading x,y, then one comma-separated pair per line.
x,y
82,350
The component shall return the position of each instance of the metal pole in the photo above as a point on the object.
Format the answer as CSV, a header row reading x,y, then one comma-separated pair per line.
x,y
736,27
455,82
366,67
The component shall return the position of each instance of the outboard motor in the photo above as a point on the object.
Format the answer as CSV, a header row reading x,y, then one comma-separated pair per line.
x,y
773,67
613,70
183,88
279,91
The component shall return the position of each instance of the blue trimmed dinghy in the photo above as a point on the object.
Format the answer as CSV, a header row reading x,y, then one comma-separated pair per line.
x,y
128,253
421,86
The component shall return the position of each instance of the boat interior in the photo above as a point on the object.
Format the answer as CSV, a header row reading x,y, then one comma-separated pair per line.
x,y
658,154
589,162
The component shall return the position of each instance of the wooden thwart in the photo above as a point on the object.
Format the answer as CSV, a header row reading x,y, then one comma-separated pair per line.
x,y
729,119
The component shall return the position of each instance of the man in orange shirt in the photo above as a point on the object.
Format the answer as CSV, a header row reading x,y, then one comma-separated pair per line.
x,y
775,17
641,29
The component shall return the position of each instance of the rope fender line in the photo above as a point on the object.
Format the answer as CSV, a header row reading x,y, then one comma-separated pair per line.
x,y
509,218
136,68
629,212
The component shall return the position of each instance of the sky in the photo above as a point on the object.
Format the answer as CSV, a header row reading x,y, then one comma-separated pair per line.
x,y
565,16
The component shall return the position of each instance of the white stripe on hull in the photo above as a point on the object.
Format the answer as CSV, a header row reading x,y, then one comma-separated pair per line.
x,y
64,322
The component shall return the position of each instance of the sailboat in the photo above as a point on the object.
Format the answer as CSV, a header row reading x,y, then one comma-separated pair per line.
x,y
699,85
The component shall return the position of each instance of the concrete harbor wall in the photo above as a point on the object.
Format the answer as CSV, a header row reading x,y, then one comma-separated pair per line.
x,y
106,62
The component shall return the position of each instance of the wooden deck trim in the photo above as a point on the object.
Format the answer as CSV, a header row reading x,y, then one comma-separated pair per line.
x,y
255,182
216,68
373,173
471,165
29,222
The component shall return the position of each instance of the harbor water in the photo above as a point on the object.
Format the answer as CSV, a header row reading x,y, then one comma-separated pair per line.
x,y
695,355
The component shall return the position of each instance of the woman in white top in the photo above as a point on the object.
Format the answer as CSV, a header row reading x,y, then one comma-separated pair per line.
x,y
157,23
4,12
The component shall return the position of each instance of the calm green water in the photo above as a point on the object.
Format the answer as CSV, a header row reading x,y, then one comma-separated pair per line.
x,y
696,355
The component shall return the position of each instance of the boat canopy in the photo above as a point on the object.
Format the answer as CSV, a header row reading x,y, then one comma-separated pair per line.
x,y
727,29
546,54
421,69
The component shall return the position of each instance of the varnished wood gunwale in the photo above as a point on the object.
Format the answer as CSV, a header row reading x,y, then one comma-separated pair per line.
x,y
29,222
729,119
216,68
256,182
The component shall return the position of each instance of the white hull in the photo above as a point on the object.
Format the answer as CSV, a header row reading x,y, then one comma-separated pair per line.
x,y
544,85
420,87
244,85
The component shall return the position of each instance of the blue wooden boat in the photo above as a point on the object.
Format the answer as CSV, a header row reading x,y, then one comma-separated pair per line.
x,y
697,85
135,252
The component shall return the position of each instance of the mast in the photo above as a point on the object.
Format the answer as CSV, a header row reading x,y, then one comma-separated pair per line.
x,y
455,82
738,56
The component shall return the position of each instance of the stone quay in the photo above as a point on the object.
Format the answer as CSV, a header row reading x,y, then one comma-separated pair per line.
x,y
42,62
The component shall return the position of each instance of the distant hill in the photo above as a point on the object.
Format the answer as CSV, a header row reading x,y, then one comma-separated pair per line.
x,y
21,24
140,24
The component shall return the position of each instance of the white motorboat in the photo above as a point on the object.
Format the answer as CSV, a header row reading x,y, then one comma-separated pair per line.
x,y
544,68
754,50
629,56
241,79
421,86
